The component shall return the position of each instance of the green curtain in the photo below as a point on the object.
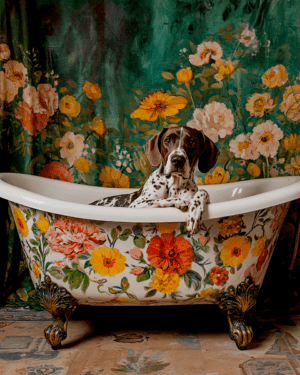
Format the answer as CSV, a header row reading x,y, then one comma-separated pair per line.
x,y
84,84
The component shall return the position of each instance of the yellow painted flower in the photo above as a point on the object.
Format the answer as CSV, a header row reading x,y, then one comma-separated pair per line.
x,y
235,250
42,223
166,227
225,69
259,246
207,292
69,106
112,177
92,91
82,165
294,167
185,75
36,269
20,221
291,103
98,126
230,226
258,104
107,261
253,170
164,282
291,142
159,104
275,77
219,176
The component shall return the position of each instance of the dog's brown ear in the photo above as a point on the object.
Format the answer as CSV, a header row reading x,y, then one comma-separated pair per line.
x,y
152,149
209,156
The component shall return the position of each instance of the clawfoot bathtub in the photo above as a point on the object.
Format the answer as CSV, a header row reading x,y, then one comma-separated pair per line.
x,y
83,254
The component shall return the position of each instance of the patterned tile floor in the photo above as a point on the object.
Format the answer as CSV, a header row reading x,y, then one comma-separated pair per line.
x,y
171,340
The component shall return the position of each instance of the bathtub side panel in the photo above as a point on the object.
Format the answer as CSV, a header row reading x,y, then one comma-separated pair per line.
x,y
105,263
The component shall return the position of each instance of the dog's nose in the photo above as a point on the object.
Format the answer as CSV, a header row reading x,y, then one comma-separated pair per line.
x,y
178,161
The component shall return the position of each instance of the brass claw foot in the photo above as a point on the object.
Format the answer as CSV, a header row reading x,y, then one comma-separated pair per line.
x,y
234,304
60,304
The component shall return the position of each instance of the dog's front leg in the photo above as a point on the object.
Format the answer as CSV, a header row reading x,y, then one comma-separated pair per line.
x,y
162,202
196,209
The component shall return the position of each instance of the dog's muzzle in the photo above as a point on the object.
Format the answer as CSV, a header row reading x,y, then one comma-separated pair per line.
x,y
178,161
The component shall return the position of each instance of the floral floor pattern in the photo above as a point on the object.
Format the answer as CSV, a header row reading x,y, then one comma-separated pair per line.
x,y
168,340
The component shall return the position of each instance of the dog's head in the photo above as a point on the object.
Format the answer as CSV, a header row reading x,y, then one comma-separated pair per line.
x,y
179,149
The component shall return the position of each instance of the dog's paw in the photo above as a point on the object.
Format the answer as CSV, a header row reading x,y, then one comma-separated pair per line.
x,y
182,205
192,225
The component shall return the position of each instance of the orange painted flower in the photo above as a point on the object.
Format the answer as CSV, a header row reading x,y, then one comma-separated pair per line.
x,y
32,122
258,104
253,170
291,142
164,282
166,227
159,104
225,69
137,271
291,103
259,245
275,77
69,106
92,91
230,226
57,171
218,276
112,177
235,250
184,75
294,167
261,259
173,254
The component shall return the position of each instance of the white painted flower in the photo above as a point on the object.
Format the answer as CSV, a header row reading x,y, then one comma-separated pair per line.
x,y
243,147
4,52
71,146
247,37
206,51
43,100
15,72
215,120
8,89
266,138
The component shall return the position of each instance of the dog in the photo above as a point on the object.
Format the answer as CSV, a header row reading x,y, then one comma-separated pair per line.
x,y
175,151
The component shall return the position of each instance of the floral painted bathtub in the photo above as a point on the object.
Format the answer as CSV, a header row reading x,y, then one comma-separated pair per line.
x,y
83,254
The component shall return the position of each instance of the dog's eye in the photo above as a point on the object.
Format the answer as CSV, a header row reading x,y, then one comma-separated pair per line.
x,y
192,142
167,140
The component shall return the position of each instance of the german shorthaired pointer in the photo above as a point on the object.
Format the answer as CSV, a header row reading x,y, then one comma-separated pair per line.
x,y
176,151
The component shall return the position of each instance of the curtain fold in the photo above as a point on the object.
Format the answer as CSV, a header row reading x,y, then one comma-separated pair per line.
x,y
84,84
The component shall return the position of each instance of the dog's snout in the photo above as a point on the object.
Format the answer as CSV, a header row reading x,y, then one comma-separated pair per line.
x,y
178,161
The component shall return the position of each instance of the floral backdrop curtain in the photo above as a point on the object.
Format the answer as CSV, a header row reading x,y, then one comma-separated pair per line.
x,y
84,84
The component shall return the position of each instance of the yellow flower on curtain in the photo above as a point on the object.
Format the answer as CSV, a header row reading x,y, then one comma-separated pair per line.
x,y
112,177
164,282
107,261
225,69
291,103
42,223
184,75
159,104
253,170
277,76
20,221
92,91
235,250
294,167
98,126
291,142
219,176
258,104
69,106
82,165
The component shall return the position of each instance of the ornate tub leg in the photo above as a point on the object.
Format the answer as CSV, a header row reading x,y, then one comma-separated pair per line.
x,y
60,304
234,304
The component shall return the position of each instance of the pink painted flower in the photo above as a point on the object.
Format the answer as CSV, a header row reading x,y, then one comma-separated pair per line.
x,y
204,240
137,271
279,213
73,237
135,253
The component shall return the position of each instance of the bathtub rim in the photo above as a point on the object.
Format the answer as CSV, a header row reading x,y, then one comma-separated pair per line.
x,y
245,205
